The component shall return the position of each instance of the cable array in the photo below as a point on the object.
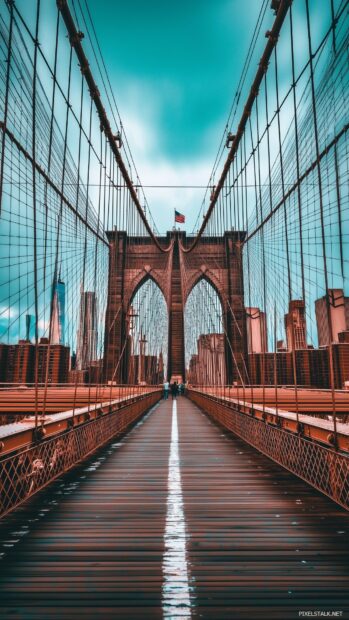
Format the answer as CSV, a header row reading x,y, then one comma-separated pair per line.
x,y
284,186
68,186
83,272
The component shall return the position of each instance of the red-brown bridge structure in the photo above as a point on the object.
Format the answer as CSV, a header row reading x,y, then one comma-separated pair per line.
x,y
133,261
226,495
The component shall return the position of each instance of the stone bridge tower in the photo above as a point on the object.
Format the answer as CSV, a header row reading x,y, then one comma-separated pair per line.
x,y
133,260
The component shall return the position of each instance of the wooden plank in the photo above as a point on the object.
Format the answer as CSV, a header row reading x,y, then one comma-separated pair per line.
x,y
260,542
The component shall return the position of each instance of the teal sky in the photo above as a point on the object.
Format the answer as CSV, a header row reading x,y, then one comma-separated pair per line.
x,y
174,68
176,64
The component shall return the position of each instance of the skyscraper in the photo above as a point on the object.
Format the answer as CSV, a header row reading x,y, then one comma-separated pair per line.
x,y
332,315
58,314
256,325
295,325
87,332
211,359
53,362
29,326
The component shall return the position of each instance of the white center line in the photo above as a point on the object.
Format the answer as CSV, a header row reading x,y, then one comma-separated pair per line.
x,y
175,590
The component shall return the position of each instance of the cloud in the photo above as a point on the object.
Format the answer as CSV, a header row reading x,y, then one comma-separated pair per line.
x,y
142,136
8,312
158,169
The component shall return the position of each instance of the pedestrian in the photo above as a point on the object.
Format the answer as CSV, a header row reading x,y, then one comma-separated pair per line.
x,y
174,390
166,389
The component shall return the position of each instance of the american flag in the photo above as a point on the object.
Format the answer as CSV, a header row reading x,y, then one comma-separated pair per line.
x,y
179,217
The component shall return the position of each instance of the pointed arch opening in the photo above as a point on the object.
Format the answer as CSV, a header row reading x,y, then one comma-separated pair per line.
x,y
147,334
204,336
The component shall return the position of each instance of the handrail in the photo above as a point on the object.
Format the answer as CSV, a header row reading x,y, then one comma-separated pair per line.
x,y
22,434
315,429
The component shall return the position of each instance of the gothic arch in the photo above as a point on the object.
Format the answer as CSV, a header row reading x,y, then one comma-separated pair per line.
x,y
141,278
134,260
205,338
211,279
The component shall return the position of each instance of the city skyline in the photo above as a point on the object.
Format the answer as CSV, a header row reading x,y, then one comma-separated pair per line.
x,y
174,308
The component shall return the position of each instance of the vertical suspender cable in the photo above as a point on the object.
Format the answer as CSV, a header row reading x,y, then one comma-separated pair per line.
x,y
323,236
35,250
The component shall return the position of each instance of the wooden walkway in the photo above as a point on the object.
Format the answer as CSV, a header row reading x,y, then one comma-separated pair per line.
x,y
205,527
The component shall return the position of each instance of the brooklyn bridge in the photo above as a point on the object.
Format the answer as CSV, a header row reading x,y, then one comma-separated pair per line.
x,y
174,403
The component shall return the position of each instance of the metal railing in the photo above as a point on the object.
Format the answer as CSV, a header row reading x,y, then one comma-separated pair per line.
x,y
26,471
322,467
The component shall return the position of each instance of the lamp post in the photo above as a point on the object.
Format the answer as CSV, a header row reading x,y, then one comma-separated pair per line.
x,y
142,342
